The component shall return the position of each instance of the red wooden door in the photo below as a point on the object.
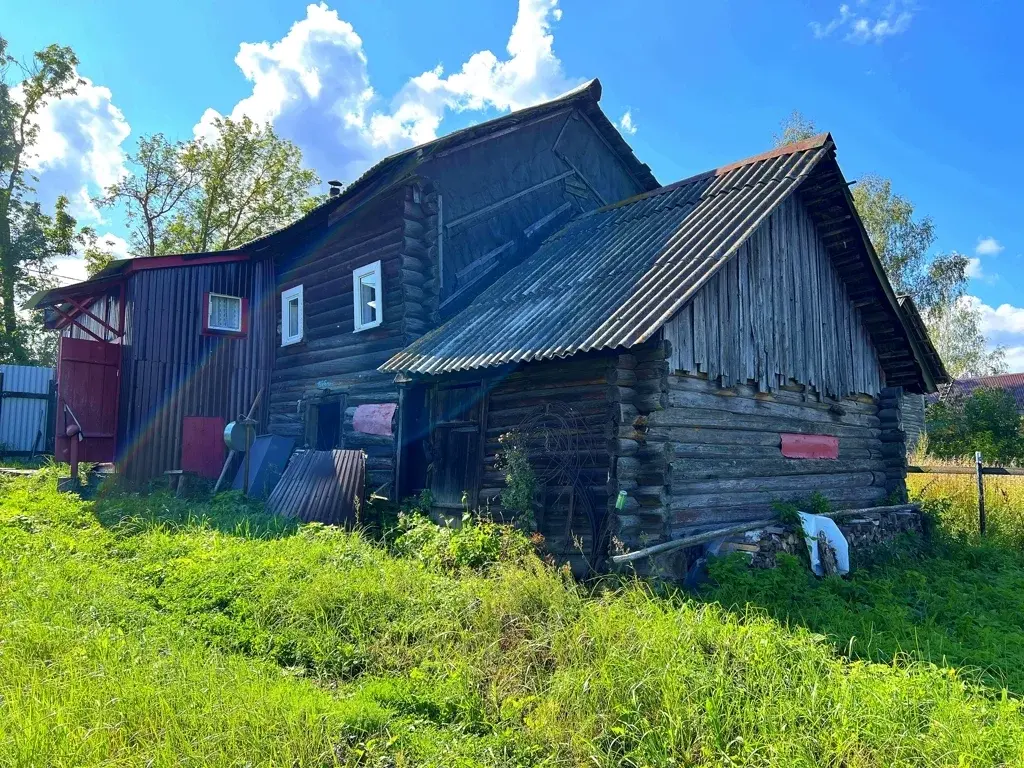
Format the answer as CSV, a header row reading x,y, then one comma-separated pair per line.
x,y
88,384
202,445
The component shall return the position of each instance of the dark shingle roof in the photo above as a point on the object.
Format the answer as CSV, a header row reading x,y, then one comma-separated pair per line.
x,y
613,277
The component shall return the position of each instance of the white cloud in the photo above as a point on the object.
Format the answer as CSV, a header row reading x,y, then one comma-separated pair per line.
x,y
314,86
626,122
1015,359
866,25
988,246
974,269
1004,319
78,151
72,268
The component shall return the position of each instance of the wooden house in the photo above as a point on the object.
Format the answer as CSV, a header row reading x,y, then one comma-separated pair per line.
x,y
308,314
714,346
670,357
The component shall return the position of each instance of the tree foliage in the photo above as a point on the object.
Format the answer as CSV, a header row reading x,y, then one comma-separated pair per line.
x,y
212,194
29,237
937,283
794,128
986,421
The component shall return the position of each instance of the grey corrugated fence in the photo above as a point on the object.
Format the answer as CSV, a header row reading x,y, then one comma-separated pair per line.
x,y
26,416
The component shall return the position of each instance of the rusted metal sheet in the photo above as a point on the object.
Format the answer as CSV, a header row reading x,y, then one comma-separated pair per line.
x,y
202,445
321,486
23,408
810,446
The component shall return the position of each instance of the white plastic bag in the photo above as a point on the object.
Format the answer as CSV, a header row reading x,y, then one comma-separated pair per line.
x,y
812,524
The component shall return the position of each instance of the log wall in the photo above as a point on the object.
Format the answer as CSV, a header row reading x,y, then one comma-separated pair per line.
x,y
725,459
332,359
565,513
777,312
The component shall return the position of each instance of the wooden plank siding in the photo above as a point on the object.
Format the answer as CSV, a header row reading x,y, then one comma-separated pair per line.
x,y
170,369
777,313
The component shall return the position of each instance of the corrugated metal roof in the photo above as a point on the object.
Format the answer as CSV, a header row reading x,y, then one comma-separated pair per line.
x,y
615,276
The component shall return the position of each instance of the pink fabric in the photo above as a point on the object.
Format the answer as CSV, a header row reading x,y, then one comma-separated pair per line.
x,y
810,446
374,419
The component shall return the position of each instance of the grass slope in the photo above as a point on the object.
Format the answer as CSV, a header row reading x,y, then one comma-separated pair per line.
x,y
139,634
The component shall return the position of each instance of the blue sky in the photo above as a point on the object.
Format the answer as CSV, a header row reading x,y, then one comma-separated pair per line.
x,y
930,94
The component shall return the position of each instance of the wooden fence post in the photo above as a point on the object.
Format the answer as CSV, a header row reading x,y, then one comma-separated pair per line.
x,y
981,492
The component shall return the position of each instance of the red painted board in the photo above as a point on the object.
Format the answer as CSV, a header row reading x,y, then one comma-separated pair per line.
x,y
202,445
810,446
88,380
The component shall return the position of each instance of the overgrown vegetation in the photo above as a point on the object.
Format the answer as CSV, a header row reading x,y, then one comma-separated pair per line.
x,y
953,501
986,421
520,478
145,631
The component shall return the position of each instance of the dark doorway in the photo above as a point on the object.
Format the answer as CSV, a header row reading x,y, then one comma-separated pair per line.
x,y
456,419
324,423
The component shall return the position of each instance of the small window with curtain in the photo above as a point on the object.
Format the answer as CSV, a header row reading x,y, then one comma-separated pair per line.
x,y
224,314
291,316
367,299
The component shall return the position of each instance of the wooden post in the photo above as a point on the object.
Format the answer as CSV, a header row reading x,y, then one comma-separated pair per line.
x,y
981,492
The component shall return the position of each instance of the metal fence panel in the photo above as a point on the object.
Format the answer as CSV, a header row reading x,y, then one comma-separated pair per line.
x,y
23,423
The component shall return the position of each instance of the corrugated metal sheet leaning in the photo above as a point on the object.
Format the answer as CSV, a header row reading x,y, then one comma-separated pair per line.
x,y
23,424
612,278
321,486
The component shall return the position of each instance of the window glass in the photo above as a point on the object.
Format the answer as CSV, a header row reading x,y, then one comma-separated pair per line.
x,y
368,299
293,317
225,313
367,295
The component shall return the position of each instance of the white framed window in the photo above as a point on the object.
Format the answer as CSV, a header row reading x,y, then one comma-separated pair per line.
x,y
291,316
224,313
367,297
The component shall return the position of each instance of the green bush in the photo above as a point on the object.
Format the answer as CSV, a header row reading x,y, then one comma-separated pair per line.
x,y
986,421
476,543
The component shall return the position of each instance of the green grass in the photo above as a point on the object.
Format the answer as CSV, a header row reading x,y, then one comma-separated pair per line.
x,y
953,604
149,631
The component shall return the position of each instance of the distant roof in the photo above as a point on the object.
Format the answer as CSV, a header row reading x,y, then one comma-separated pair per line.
x,y
614,276
1011,382
390,172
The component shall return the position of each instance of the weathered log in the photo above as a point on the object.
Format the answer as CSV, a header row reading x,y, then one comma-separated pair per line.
x,y
622,377
623,447
653,401
733,530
